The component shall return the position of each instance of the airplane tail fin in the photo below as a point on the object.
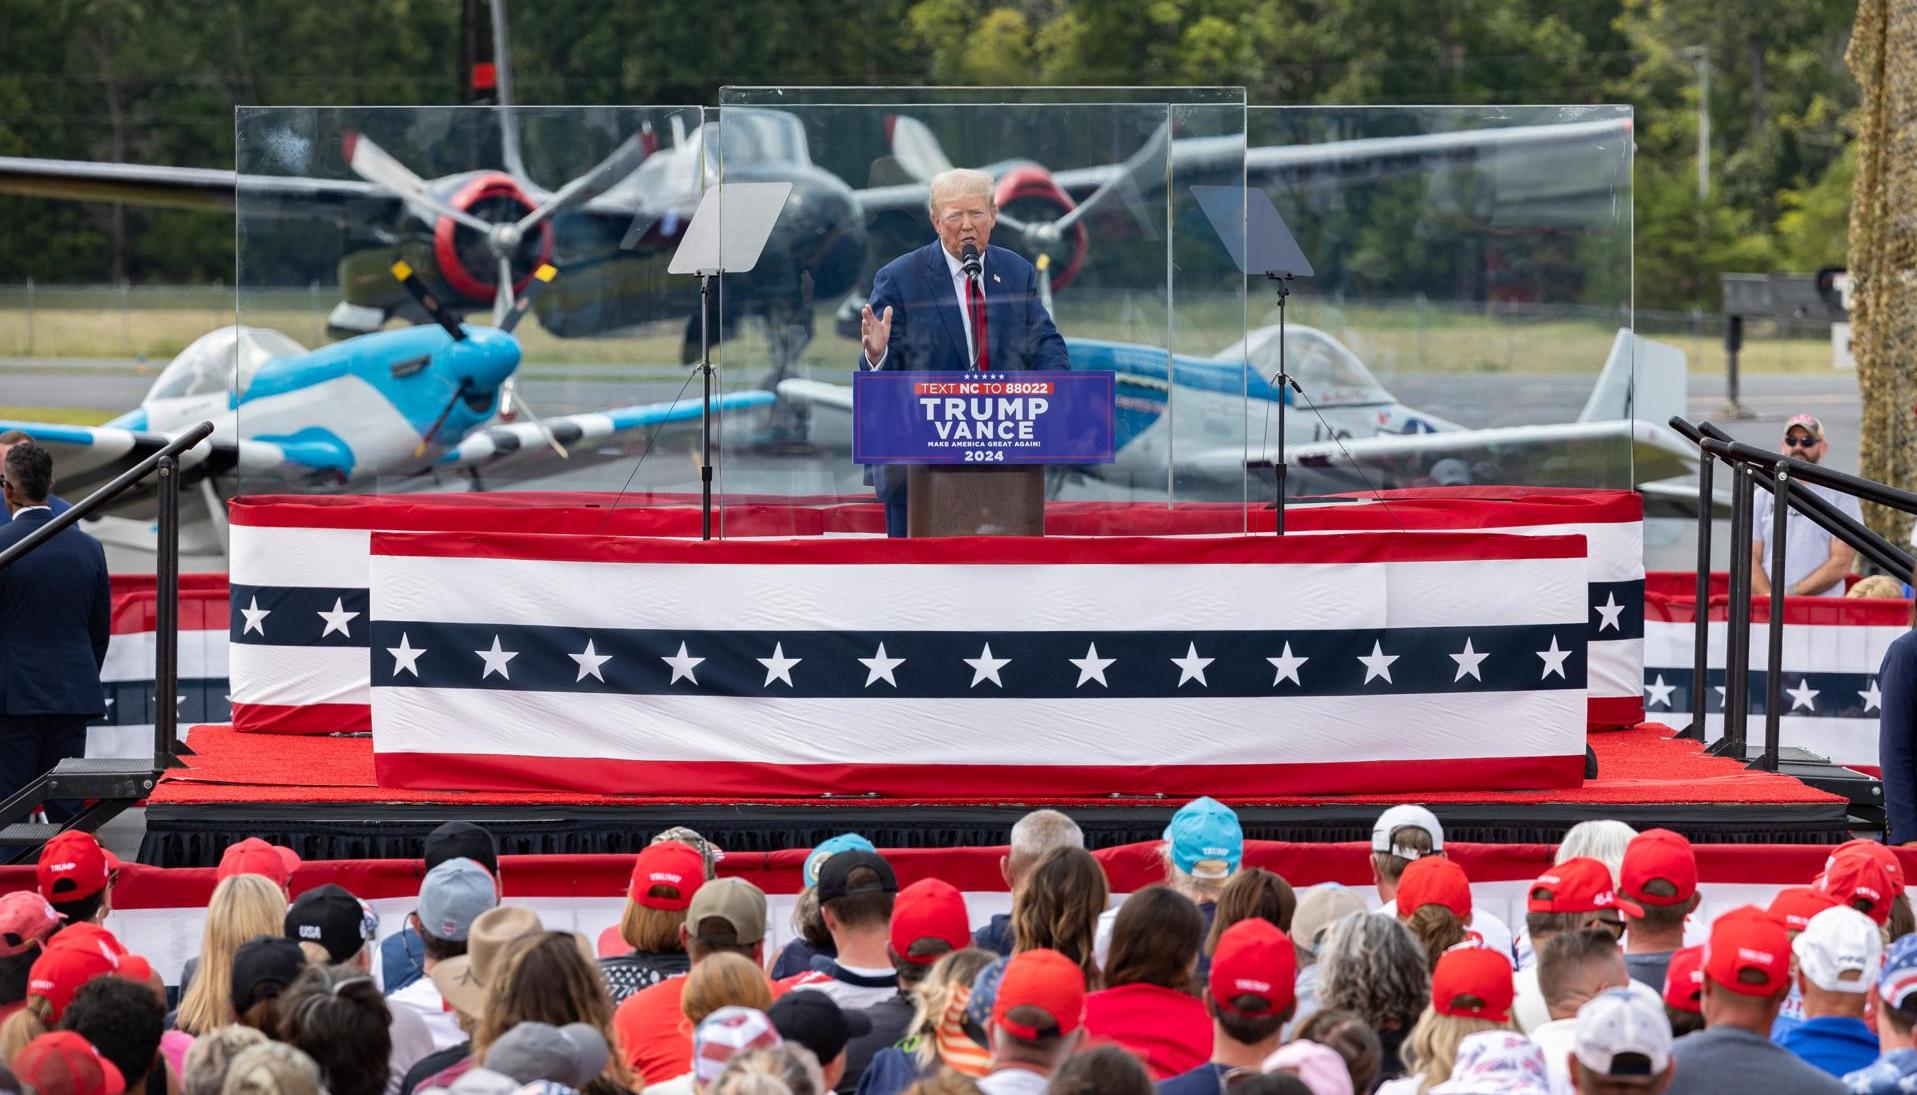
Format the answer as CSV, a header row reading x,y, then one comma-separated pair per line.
x,y
1642,379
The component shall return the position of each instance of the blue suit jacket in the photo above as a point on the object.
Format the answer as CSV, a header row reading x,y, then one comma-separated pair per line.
x,y
58,504
928,329
55,621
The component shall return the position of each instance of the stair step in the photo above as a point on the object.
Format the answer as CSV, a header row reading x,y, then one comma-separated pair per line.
x,y
83,777
28,833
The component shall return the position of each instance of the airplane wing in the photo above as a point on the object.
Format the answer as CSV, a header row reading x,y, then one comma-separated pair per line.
x,y
1615,451
1367,157
191,188
85,457
589,438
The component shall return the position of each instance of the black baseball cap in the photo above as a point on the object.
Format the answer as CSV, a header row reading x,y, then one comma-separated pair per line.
x,y
835,876
333,918
815,1021
262,968
462,840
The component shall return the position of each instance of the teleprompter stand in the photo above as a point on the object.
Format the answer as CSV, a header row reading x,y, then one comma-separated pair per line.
x,y
727,233
1260,244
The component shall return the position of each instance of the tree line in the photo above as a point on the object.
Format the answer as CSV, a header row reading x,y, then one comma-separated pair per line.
x,y
139,81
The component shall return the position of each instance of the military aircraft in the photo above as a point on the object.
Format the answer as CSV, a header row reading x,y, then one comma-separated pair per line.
x,y
1206,423
404,406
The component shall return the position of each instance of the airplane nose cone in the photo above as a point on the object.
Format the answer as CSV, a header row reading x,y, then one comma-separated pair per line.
x,y
494,356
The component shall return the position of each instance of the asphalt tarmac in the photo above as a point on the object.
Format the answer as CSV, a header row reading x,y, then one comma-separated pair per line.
x,y
1473,399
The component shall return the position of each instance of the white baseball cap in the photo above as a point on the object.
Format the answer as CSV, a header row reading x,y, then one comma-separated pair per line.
x,y
1406,817
1840,950
1624,1032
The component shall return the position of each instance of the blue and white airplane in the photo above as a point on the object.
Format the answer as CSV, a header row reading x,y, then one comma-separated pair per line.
x,y
408,402
1207,421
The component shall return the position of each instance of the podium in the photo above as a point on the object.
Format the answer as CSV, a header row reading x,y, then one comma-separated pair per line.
x,y
975,445
975,500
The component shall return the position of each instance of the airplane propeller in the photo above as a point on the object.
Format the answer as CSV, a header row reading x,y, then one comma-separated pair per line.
x,y
508,390
503,238
916,151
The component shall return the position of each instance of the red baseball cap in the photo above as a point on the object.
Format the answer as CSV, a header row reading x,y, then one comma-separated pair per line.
x,y
73,866
666,875
25,919
1042,979
58,973
929,909
1884,854
1578,885
1434,880
1684,980
63,1063
1254,958
1860,882
1749,952
256,856
89,936
1471,971
1659,855
1795,905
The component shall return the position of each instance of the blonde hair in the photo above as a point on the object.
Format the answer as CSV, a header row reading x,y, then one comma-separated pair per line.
x,y
212,1055
933,996
959,182
23,1026
242,907
789,1069
723,980
651,931
1877,585
1432,1047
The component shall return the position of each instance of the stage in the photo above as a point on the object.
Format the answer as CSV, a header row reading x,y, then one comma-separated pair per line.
x,y
319,796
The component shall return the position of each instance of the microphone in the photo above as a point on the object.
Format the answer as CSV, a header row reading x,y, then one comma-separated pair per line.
x,y
968,260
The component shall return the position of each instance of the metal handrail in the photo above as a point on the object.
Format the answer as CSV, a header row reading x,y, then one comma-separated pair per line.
x,y
166,639
1752,467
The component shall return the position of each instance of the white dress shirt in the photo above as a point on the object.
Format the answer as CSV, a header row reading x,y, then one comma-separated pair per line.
x,y
965,315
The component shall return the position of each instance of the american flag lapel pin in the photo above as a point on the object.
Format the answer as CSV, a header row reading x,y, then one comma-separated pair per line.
x,y
995,279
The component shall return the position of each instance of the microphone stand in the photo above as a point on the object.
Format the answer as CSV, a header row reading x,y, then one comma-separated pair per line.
x,y
1282,284
974,270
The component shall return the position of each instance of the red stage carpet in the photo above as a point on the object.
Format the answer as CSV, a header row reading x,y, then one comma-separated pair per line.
x,y
318,794
1640,767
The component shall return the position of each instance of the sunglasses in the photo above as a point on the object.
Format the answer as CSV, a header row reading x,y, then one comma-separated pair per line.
x,y
1800,441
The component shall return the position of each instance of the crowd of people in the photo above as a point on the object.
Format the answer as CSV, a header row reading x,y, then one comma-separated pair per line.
x,y
1221,978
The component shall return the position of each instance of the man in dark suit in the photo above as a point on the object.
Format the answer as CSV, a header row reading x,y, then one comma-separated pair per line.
x,y
930,312
55,621
9,439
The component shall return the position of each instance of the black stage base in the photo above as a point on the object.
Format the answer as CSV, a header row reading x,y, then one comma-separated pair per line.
x,y
194,835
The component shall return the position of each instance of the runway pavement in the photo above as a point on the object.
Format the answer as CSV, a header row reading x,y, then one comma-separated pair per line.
x,y
1474,399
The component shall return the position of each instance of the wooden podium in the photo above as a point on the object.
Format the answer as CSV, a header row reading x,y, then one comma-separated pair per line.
x,y
975,500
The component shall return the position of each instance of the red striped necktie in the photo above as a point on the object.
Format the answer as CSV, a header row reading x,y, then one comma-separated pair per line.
x,y
975,304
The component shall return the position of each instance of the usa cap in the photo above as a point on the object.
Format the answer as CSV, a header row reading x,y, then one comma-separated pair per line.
x,y
333,918
1748,953
1897,984
1578,885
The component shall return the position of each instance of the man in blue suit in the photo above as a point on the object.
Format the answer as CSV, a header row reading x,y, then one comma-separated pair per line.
x,y
932,312
55,621
8,440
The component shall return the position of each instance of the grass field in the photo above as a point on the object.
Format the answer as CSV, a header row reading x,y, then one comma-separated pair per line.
x,y
153,325
65,416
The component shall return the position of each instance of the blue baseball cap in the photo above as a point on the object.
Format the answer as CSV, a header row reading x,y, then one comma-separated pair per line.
x,y
1898,983
978,1007
1204,834
844,842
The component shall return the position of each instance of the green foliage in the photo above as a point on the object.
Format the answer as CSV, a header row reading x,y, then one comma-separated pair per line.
x,y
148,82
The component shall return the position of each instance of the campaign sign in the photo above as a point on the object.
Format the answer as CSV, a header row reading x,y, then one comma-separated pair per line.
x,y
982,418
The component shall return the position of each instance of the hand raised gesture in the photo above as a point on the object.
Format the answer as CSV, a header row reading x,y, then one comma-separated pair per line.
x,y
876,332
